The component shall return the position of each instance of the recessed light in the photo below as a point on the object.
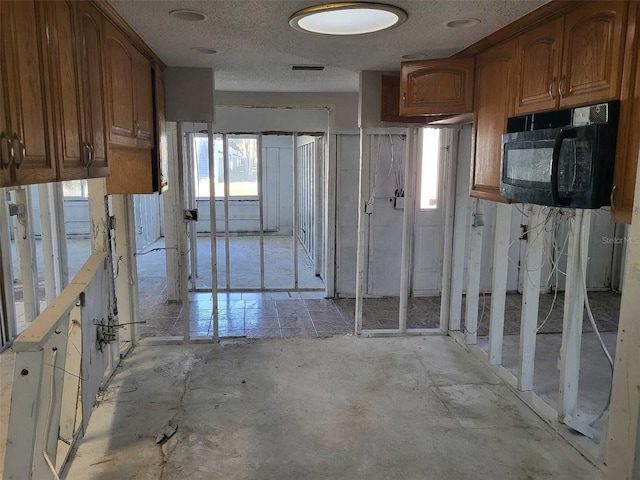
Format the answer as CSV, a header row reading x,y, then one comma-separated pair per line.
x,y
188,15
415,56
203,50
463,23
347,18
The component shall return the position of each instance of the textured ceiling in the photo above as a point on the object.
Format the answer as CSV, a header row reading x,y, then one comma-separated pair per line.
x,y
256,45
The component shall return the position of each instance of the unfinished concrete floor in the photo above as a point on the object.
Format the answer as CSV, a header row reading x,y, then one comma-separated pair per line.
x,y
334,408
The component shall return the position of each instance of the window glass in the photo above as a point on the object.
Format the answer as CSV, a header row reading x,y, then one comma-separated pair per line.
x,y
429,169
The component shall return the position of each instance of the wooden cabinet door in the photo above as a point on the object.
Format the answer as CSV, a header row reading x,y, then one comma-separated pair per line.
x,y
593,49
119,66
436,87
161,150
5,155
538,66
23,42
495,78
628,148
65,81
93,80
143,98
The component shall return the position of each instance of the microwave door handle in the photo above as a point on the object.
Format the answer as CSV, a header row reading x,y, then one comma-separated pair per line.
x,y
555,163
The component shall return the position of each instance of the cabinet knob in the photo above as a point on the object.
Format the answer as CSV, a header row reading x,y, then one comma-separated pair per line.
x,y
137,129
553,82
612,197
404,98
22,150
6,164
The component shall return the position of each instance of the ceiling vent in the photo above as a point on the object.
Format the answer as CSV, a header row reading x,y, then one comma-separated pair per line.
x,y
308,68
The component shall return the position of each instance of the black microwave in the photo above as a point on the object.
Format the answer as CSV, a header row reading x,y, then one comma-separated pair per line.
x,y
566,166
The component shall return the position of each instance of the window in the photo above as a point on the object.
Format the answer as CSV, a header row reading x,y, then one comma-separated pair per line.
x,y
242,157
429,168
75,189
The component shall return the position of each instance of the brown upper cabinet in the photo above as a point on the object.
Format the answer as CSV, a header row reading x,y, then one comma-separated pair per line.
x,y
74,150
573,60
495,74
628,147
436,87
130,91
539,58
93,81
28,154
52,95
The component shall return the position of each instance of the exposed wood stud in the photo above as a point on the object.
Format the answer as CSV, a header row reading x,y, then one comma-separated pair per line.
x,y
261,208
183,241
531,298
474,262
363,230
499,284
26,247
411,154
449,210
214,245
295,210
7,294
330,216
225,157
569,363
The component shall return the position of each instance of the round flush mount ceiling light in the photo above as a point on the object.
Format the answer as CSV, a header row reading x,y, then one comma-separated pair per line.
x,y
188,15
347,18
463,23
415,56
203,50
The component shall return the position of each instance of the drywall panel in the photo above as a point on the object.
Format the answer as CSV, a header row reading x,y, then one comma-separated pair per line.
x,y
256,120
342,107
188,94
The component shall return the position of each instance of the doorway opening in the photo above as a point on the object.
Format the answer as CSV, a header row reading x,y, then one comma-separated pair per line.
x,y
268,198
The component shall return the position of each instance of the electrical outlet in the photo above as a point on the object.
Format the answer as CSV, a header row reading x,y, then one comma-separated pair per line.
x,y
398,203
191,215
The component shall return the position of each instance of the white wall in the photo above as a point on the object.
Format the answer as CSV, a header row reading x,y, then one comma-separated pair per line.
x,y
342,107
255,120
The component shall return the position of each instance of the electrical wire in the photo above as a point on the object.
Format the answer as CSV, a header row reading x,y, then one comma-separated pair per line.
x,y
583,276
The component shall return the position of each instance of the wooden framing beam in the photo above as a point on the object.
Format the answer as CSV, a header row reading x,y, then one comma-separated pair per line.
x,y
499,285
531,298
474,268
7,294
451,165
412,152
173,218
569,363
183,241
126,266
363,230
460,234
296,189
212,218
26,247
330,194
54,252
